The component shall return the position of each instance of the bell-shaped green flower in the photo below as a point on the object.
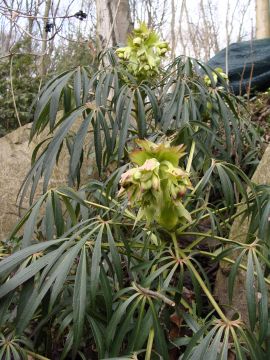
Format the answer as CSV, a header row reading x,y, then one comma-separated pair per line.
x,y
157,184
221,73
143,53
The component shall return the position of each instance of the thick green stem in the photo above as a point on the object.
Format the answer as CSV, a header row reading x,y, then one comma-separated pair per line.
x,y
149,344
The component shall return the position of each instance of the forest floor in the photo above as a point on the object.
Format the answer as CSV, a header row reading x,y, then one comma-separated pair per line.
x,y
259,106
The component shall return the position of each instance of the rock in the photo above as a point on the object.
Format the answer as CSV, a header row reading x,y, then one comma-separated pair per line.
x,y
238,232
247,60
15,160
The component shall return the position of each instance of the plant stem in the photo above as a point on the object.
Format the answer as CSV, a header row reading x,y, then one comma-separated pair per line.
x,y
149,344
208,234
154,294
203,286
175,243
36,356
205,216
192,151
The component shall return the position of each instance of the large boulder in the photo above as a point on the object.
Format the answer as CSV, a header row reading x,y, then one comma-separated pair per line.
x,y
248,64
15,160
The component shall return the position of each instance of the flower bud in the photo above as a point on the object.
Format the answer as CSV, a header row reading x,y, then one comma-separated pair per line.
x,y
137,41
209,106
137,175
163,45
181,191
155,183
146,185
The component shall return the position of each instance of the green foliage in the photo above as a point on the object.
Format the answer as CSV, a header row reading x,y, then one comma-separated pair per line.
x,y
95,279
77,52
25,87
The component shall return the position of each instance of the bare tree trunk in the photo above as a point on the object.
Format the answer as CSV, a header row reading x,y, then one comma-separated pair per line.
x,y
173,37
262,19
113,22
183,43
43,59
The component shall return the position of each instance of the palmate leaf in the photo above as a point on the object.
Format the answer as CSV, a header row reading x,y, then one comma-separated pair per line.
x,y
229,180
57,203
56,266
51,92
215,343
256,289
14,347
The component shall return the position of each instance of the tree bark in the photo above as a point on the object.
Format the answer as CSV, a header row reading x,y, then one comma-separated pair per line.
x,y
113,22
262,19
173,37
44,40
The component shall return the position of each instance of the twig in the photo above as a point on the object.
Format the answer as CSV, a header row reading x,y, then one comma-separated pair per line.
x,y
154,294
18,13
12,91
241,80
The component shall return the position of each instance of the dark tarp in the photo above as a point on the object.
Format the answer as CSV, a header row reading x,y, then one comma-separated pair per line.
x,y
246,60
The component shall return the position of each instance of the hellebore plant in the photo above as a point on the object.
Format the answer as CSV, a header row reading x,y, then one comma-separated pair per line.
x,y
143,53
157,184
92,280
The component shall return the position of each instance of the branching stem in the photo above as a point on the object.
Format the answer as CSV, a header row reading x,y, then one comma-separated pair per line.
x,y
198,278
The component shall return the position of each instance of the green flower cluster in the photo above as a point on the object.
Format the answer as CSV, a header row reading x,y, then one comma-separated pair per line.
x,y
157,185
143,53
221,73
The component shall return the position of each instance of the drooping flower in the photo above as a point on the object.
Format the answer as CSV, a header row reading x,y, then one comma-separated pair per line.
x,y
157,184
